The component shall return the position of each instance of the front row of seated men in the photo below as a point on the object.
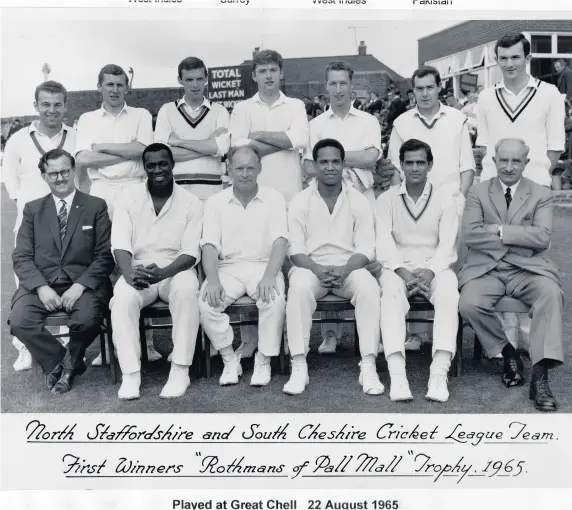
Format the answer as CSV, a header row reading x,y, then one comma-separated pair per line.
x,y
63,261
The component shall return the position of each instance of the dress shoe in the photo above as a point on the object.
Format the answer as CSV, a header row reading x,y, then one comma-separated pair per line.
x,y
54,376
542,395
512,375
369,379
65,382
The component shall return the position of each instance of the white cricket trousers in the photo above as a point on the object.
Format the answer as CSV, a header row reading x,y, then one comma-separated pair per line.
x,y
238,279
304,289
444,296
181,292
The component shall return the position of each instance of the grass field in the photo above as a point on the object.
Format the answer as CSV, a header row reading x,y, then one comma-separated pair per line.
x,y
334,379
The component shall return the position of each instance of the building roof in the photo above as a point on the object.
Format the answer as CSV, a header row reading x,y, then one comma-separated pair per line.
x,y
312,68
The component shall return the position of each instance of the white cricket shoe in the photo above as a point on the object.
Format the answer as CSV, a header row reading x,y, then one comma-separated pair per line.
x,y
231,372
299,379
130,386
177,383
329,345
24,361
261,374
413,343
369,379
437,388
399,389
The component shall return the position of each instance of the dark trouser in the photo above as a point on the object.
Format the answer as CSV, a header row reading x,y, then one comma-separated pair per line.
x,y
27,324
542,294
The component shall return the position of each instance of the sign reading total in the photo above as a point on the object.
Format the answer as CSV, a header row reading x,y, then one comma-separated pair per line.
x,y
230,85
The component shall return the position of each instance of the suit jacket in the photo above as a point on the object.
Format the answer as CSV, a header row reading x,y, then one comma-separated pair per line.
x,y
526,226
565,82
85,254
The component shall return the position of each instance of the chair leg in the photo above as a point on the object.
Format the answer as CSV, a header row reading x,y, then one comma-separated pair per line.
x,y
102,347
282,355
356,340
458,360
143,341
477,349
196,367
112,358
207,353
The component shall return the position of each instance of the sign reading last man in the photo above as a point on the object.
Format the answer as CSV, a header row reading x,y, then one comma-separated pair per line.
x,y
230,85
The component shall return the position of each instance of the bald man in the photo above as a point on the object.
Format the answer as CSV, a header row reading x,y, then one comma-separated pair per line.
x,y
507,225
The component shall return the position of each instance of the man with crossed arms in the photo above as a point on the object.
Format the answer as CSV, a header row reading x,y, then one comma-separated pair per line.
x,y
244,245
110,142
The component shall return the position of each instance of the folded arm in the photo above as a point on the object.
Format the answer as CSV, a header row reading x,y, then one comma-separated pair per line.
x,y
91,159
476,234
536,236
131,150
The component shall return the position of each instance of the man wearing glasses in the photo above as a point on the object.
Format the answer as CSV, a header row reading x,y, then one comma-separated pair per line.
x,y
63,261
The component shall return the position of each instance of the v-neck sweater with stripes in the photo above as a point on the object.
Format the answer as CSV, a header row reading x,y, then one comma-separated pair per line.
x,y
408,238
170,120
536,116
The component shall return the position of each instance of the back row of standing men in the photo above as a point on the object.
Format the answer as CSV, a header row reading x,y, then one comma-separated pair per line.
x,y
110,140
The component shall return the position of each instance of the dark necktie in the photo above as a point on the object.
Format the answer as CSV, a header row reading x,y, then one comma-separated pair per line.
x,y
508,197
63,218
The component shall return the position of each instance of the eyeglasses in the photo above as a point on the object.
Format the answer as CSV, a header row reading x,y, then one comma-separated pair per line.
x,y
53,176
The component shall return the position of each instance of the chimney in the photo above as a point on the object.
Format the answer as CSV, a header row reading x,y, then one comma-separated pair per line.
x,y
256,50
362,49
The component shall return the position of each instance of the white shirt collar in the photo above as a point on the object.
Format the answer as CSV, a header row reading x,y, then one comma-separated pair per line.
x,y
68,200
34,129
205,102
532,82
281,99
440,111
232,197
512,188
403,189
105,112
330,112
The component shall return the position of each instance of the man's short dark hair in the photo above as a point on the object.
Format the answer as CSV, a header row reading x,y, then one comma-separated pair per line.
x,y
265,57
410,91
512,39
233,150
114,70
54,154
415,145
561,61
51,87
328,142
158,147
426,71
339,65
191,63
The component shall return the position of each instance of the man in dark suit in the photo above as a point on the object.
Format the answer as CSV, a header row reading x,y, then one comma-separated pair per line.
x,y
63,261
564,78
507,224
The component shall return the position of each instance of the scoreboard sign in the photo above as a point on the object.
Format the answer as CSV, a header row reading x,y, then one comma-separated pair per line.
x,y
230,85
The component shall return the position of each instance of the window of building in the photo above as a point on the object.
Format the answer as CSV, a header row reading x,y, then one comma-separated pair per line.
x,y
541,44
564,44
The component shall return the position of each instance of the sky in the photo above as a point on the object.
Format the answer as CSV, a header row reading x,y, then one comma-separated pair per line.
x,y
77,43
